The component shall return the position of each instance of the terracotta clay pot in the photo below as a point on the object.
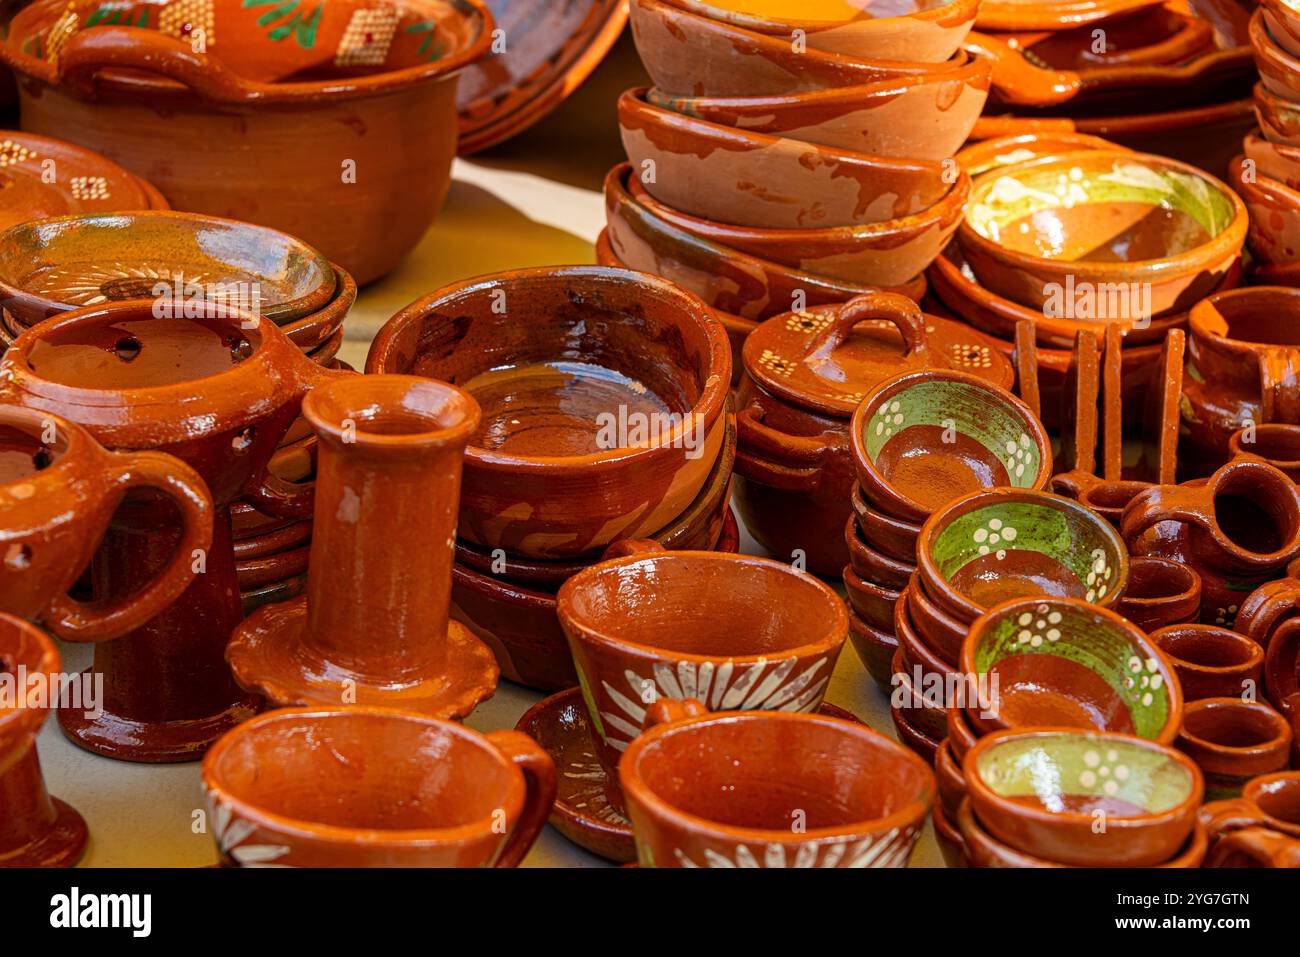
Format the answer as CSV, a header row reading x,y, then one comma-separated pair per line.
x,y
1040,790
951,782
1161,592
1277,443
1282,668
949,839
1234,740
421,792
1279,69
921,664
874,604
1210,662
125,92
36,830
388,481
1270,804
940,631
1279,118
895,537
699,791
767,637
552,429
980,156
217,393
58,491
871,564
1273,207
875,648
961,736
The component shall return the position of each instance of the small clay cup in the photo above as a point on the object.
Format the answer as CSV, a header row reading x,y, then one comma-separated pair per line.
x,y
1068,663
1270,802
923,438
1041,791
1277,443
1160,592
699,791
967,561
1234,740
374,787
1211,662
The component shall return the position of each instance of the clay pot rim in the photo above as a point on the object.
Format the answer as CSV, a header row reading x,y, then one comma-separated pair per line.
x,y
69,440
1214,250
853,537
1130,124
1081,820
863,504
1055,15
1205,320
911,639
330,405
1256,138
976,151
908,508
916,596
1264,95
690,307
1277,747
911,812
1263,191
1187,594
40,654
1271,784
255,93
929,571
1235,440
373,837
852,580
1267,51
950,13
1254,656
959,727
592,633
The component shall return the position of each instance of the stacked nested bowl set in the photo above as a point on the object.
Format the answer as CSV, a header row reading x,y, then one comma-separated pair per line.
x,y
976,316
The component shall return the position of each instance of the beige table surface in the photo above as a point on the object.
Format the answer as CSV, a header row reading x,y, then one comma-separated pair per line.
x,y
532,201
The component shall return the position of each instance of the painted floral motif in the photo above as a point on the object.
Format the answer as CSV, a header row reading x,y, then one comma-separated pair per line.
x,y
890,849
368,37
1143,679
589,794
970,356
231,834
12,153
60,32
1038,626
117,14
993,533
807,322
1103,773
89,285
776,364
431,48
1099,576
292,21
89,187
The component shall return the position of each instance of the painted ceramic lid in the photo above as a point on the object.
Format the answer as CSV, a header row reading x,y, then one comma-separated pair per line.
x,y
42,177
828,357
550,48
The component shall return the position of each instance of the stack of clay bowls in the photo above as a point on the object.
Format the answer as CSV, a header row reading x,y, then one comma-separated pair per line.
x,y
1165,77
767,174
606,416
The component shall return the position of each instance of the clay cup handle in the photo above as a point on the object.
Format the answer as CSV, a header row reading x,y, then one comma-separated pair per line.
x,y
539,776
668,710
754,434
887,306
1018,81
1164,503
1254,847
628,547
74,620
1279,385
1282,667
1222,817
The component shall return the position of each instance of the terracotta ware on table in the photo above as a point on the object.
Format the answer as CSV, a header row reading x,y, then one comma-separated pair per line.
x,y
59,489
1041,791
217,393
36,830
1262,826
1161,593
738,633
374,787
699,791
1067,663
563,360
1210,662
127,92
1125,218
387,488
1233,740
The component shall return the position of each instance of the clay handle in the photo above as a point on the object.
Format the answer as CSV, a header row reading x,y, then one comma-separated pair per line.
x,y
1279,385
87,52
1254,847
1018,81
1282,667
539,776
1222,817
797,449
1164,503
629,547
668,710
1074,484
889,306
74,620
777,476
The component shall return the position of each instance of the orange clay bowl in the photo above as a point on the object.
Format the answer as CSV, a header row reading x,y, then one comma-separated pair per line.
x,y
1274,211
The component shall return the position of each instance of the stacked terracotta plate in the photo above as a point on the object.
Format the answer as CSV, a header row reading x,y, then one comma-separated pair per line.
x,y
778,164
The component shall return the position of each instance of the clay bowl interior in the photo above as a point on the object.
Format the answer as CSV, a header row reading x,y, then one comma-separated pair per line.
x,y
54,265
1278,797
992,546
1160,590
922,439
1102,217
1040,790
1233,740
1278,443
1210,661
1067,663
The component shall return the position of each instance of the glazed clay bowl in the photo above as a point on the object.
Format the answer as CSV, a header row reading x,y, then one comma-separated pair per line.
x,y
702,169
1210,662
961,736
925,30
1234,740
1066,663
1041,791
1279,70
895,537
941,632
995,152
1282,668
699,793
1282,23
923,438
871,564
1271,801
128,92
888,253
419,792
919,661
558,469
1124,218
875,649
874,604
1274,210
927,116
1273,160
1279,118
1161,593
1277,443
967,562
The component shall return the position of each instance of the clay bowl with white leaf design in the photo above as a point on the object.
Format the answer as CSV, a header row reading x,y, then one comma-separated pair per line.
x,y
755,789
735,631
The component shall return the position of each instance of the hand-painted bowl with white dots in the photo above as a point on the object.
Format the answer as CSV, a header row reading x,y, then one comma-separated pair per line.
x,y
922,439
1084,798
1066,663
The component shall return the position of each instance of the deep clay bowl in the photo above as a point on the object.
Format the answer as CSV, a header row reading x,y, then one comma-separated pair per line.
x,y
1097,217
1042,791
924,438
1066,663
1274,212
575,354
1279,70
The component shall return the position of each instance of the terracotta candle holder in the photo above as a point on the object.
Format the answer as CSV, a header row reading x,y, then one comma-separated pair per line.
x,y
374,787
217,393
36,830
373,627
699,791
1211,662
1234,740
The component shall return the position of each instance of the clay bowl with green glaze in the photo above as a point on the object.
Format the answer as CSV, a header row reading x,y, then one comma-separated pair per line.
x,y
1041,231
923,438
998,544
1068,663
1043,791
